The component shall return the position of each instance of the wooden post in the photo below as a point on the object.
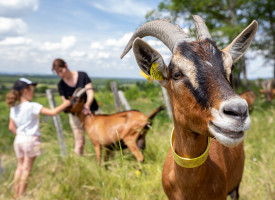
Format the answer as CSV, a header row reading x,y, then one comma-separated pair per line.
x,y
116,97
123,100
167,103
57,123
1,168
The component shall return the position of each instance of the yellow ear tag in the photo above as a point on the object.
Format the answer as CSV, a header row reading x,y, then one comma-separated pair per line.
x,y
146,76
155,73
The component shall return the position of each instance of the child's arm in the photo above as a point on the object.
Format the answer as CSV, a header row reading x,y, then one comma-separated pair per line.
x,y
12,126
56,110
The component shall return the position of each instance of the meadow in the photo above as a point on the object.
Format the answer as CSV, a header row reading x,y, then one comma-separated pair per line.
x,y
121,177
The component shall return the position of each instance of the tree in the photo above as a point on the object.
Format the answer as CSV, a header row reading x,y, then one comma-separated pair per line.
x,y
224,19
264,12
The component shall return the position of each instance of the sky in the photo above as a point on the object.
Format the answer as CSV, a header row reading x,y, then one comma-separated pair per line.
x,y
89,35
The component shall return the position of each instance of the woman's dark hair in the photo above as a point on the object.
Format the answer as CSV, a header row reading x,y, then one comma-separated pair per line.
x,y
58,63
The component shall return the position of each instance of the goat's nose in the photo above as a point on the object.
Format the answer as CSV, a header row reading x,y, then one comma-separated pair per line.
x,y
238,111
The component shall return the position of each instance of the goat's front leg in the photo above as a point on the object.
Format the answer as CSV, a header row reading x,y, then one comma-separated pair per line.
x,y
98,153
132,145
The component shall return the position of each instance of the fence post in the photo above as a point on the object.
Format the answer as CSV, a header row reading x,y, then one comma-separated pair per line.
x,y
123,100
57,123
116,97
167,103
1,168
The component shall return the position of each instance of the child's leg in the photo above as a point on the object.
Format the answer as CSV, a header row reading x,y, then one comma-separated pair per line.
x,y
26,170
17,175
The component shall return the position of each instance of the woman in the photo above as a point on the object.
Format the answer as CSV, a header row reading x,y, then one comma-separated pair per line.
x,y
24,122
70,81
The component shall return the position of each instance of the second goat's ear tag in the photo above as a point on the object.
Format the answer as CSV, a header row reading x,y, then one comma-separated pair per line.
x,y
145,76
155,73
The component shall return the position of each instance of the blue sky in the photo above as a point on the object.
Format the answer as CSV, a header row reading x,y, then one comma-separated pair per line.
x,y
89,35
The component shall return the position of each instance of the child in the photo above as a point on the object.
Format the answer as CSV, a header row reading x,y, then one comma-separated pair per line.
x,y
24,122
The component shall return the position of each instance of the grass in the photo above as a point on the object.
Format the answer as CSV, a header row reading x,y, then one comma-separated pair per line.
x,y
73,177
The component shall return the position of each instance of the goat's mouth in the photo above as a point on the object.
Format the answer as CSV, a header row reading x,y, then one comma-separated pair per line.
x,y
225,132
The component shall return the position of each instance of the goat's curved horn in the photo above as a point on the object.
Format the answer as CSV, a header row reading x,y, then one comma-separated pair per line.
x,y
164,30
81,92
76,91
264,85
269,84
201,28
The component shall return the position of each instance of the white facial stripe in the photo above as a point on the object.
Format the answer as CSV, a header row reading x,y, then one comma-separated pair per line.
x,y
188,68
227,62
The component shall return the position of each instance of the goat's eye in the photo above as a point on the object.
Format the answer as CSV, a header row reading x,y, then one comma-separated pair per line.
x,y
177,75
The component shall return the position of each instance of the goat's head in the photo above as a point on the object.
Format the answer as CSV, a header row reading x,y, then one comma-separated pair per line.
x,y
250,97
268,89
77,101
198,78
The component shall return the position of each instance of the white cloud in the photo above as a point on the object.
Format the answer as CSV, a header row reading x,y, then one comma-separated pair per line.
x,y
12,27
119,42
15,41
154,42
17,8
96,45
103,55
123,7
66,43
78,54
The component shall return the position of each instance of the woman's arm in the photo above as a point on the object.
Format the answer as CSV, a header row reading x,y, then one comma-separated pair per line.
x,y
90,98
90,94
56,110
12,126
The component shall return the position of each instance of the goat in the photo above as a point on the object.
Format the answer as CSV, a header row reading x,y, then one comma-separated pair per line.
x,y
268,89
206,110
250,97
131,126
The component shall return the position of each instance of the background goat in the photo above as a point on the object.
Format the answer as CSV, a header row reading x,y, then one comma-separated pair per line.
x,y
131,126
268,89
198,82
250,97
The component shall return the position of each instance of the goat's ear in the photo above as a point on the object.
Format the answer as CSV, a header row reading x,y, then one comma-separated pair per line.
x,y
241,43
146,56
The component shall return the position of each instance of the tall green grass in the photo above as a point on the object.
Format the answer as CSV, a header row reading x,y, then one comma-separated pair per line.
x,y
122,177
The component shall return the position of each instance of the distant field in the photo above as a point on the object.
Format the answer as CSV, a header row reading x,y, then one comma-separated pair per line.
x,y
79,178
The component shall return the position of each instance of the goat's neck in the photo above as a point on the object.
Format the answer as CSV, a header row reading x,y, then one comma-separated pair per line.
x,y
188,144
84,118
81,117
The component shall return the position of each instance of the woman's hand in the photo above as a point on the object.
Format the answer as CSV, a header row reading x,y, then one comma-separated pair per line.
x,y
86,109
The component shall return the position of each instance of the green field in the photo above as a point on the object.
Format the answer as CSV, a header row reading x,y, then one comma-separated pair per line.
x,y
79,178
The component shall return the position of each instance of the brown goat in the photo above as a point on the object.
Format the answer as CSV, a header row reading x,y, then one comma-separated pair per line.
x,y
250,97
131,127
204,105
268,89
